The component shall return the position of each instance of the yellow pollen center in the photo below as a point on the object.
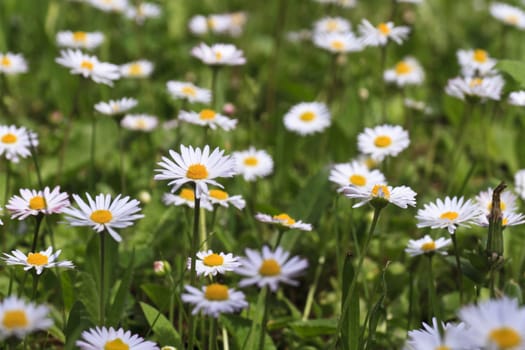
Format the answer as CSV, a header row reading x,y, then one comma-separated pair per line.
x,y
213,260
6,62
218,194
218,56
9,138
37,259
285,218
403,68
80,37
187,194
197,172
382,141
429,246
116,344
449,215
15,319
384,28
87,65
307,116
442,347
476,82
207,114
480,56
135,69
357,180
189,91
337,45
141,124
504,222
101,216
251,161
216,292
332,25
37,203
270,267
512,19
502,206
381,191
211,22
505,337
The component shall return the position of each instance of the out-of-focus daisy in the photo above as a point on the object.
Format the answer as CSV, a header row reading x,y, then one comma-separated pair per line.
x,y
482,87
88,66
270,268
143,11
285,220
114,107
186,196
12,63
219,54
210,118
519,182
401,196
188,91
380,34
382,141
507,219
299,36
507,201
18,318
411,1
517,98
38,261
427,245
33,202
307,118
476,62
137,69
237,22
214,299
222,198
103,213
332,25
253,163
197,166
406,72
79,40
355,173
342,3
509,15
449,214
417,105
109,5
210,263
16,142
336,42
111,339
198,25
139,122
429,337
218,23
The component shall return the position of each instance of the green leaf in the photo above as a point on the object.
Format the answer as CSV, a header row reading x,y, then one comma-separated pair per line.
x,y
78,320
158,294
89,295
513,290
240,329
314,328
257,327
516,69
122,296
164,331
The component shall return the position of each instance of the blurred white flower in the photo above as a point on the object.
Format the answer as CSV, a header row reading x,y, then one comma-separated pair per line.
x,y
11,63
380,34
88,66
79,40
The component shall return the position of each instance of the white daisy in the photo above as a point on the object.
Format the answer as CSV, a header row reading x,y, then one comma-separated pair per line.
x,y
118,6
197,166
519,182
429,337
355,173
507,219
33,202
38,261
482,87
210,118
186,196
449,214
507,201
382,141
307,118
401,196
427,245
137,69
103,213
219,54
16,142
143,11
517,98
12,63
406,72
476,62
285,220
139,122
209,263
342,3
79,40
338,42
218,23
253,163
417,105
510,15
18,318
380,34
99,338
269,268
222,198
114,107
332,25
237,20
188,91
88,66
198,25
214,299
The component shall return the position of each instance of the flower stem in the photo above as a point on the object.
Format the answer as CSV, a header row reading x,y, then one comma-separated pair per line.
x,y
121,159
459,282
92,156
193,251
212,341
264,319
313,287
214,78
38,219
102,304
35,286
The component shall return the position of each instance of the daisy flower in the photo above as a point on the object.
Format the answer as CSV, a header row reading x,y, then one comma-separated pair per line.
x,y
476,62
214,299
222,198
237,20
218,23
197,166
88,66
519,182
509,15
79,40
336,42
482,87
355,173
307,118
449,214
188,91
16,142
210,263
12,63
137,69
406,72
139,122
143,11
429,337
427,245
108,338
382,141
342,3
210,118
114,107
507,201
219,54
18,318
517,98
285,220
186,196
269,268
253,163
103,213
507,219
332,25
109,5
38,261
379,35
401,196
33,202
198,25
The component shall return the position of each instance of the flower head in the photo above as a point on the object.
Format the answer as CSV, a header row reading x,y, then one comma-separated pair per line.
x,y
118,6
381,194
79,39
219,54
253,163
482,87
380,34
39,261
111,339
114,107
337,42
509,15
355,173
186,196
307,118
18,318
429,337
12,63
16,142
139,122
476,62
519,182
332,25
285,220
33,202
427,245
143,11
88,66
137,69
383,140
210,118
406,72
214,299
222,198
449,214
188,91
210,263
517,98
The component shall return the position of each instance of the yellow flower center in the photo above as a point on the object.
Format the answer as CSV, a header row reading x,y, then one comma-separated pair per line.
x,y
37,259
337,45
382,141
218,55
216,292
218,194
207,114
358,180
504,221
213,260
80,37
285,218
502,206
512,19
384,28
187,194
135,69
87,65
211,22
189,91
442,347
307,116
476,82
37,203
332,25
403,68
270,267
141,124
101,216
380,191
505,337
429,246
251,161
449,215
480,56
116,344
197,172
15,319
9,138
6,62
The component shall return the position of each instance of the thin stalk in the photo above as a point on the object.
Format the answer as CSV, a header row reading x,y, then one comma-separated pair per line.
x,y
383,82
313,287
92,155
212,341
57,269
102,304
225,340
121,159
280,234
203,233
214,78
173,288
38,219
459,281
7,180
264,319
35,286
193,252
35,160
11,278
332,88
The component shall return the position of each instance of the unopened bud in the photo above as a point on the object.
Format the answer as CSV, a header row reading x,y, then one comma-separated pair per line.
x,y
161,267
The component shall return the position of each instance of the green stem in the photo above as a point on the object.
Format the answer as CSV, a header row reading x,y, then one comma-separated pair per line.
x,y
313,287
383,82
38,219
203,244
121,159
225,339
35,286
92,156
102,304
459,281
212,342
193,251
214,78
35,160
264,319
